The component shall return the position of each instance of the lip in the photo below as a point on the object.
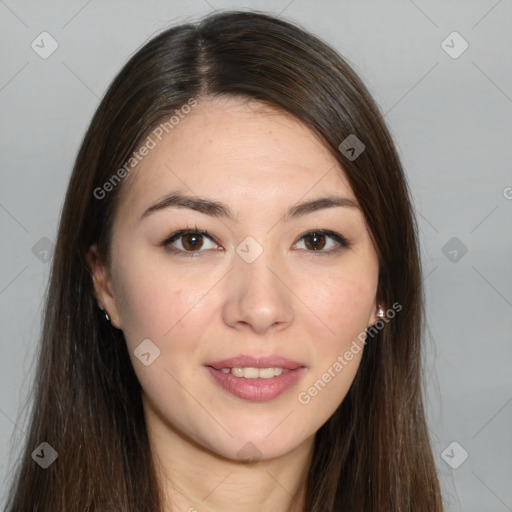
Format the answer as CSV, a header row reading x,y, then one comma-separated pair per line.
x,y
256,390
246,361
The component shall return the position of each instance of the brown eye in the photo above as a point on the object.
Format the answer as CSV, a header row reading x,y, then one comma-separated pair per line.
x,y
315,241
191,241
194,242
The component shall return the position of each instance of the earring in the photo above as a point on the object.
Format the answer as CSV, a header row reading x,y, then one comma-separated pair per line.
x,y
107,318
380,313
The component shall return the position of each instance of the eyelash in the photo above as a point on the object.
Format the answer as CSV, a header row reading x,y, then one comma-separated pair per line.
x,y
343,242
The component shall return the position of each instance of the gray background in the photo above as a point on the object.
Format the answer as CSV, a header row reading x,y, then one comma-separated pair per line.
x,y
451,118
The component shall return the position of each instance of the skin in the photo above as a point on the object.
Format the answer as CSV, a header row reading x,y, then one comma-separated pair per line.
x,y
291,301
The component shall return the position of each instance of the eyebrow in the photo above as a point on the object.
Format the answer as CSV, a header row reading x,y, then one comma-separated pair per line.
x,y
221,210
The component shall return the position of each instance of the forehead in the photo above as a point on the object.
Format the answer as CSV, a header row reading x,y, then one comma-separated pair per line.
x,y
238,150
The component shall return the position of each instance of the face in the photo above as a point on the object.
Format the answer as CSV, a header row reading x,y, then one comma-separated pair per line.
x,y
279,288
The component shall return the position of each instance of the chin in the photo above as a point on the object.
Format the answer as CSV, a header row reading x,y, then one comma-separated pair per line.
x,y
254,445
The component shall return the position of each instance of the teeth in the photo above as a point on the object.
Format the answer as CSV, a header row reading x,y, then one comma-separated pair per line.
x,y
255,373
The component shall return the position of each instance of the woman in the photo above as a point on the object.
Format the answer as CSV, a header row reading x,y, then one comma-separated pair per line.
x,y
235,311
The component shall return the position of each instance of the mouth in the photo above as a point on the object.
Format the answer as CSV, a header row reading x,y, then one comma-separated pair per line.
x,y
256,379
254,373
259,362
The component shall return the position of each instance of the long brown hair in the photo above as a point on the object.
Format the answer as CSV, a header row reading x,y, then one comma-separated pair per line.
x,y
374,453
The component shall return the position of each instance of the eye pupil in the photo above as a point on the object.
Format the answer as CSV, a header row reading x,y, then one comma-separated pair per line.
x,y
316,245
193,245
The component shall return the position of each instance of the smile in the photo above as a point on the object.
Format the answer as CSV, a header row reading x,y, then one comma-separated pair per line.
x,y
256,384
255,373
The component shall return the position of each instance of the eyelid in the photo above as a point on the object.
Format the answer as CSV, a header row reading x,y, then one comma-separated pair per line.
x,y
167,241
342,241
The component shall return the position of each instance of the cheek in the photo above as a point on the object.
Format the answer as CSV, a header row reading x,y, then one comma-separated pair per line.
x,y
160,309
152,304
345,306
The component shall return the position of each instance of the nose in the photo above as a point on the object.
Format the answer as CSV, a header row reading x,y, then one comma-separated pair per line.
x,y
258,297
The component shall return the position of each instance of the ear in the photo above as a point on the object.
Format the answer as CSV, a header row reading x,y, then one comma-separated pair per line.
x,y
377,313
102,285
